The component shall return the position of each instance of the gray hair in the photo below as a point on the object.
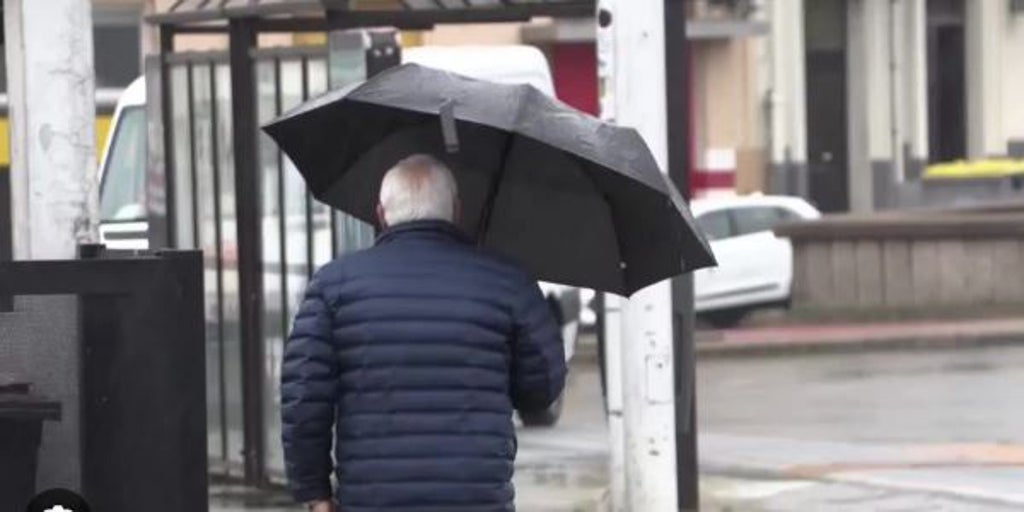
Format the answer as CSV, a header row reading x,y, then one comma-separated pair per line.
x,y
419,187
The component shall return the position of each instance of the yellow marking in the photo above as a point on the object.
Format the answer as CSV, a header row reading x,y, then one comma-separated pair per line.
x,y
963,169
310,39
102,131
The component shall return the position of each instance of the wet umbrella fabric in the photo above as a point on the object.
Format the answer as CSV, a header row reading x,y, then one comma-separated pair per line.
x,y
574,200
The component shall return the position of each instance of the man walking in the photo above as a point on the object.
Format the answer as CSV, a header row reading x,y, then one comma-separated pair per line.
x,y
415,352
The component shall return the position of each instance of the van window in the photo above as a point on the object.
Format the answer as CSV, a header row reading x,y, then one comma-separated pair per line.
x,y
123,192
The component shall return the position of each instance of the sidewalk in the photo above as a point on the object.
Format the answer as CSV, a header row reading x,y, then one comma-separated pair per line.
x,y
758,471
832,338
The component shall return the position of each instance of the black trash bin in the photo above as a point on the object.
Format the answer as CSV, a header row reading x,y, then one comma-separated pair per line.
x,y
21,428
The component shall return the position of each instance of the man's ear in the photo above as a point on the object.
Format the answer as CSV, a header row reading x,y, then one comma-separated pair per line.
x,y
381,220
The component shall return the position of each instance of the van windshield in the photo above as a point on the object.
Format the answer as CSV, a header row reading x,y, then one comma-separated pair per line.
x,y
123,192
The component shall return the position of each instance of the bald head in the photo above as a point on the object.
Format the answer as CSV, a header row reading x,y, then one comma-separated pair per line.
x,y
419,187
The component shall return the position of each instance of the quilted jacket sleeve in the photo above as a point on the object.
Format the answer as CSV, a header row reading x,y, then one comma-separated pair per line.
x,y
309,377
538,358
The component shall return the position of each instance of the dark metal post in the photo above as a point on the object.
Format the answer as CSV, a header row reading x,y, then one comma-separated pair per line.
x,y
6,246
677,87
242,39
308,211
218,237
5,215
160,189
282,231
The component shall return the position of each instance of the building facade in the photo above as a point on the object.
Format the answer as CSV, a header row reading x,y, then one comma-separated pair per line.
x,y
864,94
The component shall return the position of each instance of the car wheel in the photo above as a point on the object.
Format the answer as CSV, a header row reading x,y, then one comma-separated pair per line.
x,y
546,418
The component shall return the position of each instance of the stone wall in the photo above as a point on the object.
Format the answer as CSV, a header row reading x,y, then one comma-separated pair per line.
x,y
899,262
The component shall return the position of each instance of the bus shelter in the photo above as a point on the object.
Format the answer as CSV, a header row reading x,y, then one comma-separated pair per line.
x,y
215,183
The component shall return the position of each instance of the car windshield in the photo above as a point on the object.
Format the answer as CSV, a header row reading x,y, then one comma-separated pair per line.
x,y
122,196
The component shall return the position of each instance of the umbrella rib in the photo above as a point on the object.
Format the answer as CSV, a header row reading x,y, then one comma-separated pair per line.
x,y
492,194
620,261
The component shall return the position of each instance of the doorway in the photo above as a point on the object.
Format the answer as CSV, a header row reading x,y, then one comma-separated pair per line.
x,y
947,90
827,120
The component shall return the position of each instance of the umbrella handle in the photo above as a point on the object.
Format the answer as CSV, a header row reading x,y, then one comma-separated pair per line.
x,y
448,129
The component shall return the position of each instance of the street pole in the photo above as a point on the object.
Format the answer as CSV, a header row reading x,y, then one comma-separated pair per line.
x,y
611,305
643,65
51,89
677,86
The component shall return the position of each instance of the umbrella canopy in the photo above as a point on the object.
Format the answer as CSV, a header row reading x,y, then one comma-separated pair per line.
x,y
575,200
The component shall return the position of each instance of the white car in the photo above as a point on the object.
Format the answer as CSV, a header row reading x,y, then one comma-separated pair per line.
x,y
755,267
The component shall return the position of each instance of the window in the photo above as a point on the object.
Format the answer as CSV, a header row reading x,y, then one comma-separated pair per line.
x,y
123,193
787,215
756,219
715,225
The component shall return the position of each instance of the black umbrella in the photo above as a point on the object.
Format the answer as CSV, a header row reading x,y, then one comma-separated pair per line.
x,y
575,200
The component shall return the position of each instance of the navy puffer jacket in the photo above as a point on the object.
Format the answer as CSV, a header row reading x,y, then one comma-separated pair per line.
x,y
416,351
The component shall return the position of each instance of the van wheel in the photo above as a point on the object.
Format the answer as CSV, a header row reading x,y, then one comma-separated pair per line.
x,y
546,418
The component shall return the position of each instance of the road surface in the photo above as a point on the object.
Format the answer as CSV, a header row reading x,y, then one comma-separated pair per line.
x,y
916,430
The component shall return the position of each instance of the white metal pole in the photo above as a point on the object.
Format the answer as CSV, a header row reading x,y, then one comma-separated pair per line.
x,y
612,304
635,30
52,114
616,426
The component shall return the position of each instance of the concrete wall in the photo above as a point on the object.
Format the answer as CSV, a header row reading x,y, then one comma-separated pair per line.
x,y
922,263
903,275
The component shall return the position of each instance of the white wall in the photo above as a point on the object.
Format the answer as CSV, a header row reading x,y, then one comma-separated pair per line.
x,y
869,100
985,34
1013,78
914,80
787,81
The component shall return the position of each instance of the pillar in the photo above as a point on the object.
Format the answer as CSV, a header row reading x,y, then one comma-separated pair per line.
x,y
1013,84
985,31
914,150
870,103
52,109
786,102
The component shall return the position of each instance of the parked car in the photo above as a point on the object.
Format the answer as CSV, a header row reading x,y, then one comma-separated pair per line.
x,y
755,267
122,195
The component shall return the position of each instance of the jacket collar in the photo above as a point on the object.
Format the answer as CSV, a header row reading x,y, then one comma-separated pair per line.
x,y
423,229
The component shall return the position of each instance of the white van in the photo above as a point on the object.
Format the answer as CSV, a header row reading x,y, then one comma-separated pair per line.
x,y
122,173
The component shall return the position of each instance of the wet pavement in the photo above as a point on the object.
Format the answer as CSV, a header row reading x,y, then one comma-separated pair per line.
x,y
723,494
558,469
918,430
969,395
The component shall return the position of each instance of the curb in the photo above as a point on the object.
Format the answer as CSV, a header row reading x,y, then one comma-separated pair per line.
x,y
724,350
